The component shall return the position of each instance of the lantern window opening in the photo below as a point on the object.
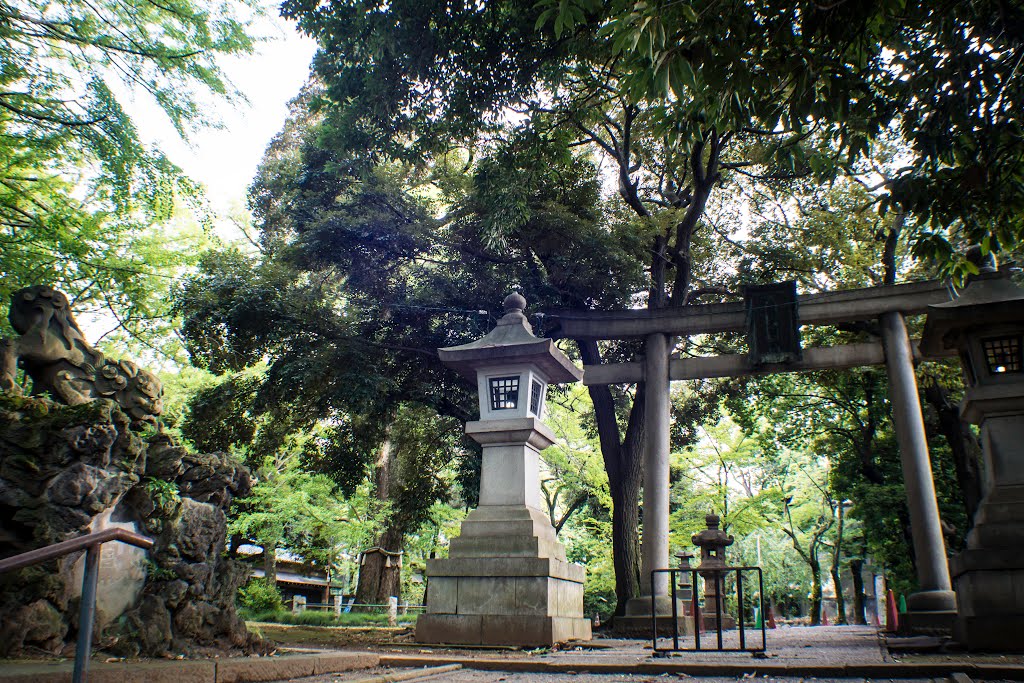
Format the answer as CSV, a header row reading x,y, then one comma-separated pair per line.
x,y
1003,354
536,397
504,392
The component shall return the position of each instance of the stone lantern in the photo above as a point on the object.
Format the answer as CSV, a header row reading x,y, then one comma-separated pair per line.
x,y
985,325
506,580
712,543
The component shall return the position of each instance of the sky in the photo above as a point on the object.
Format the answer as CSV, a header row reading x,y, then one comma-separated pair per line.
x,y
225,159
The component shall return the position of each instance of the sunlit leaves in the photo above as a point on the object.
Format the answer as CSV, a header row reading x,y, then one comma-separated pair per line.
x,y
79,192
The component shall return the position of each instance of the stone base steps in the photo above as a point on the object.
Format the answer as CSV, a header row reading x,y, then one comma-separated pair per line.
x,y
228,670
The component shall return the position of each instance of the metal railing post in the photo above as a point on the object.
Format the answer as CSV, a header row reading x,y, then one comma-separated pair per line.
x,y
715,581
719,586
740,613
87,613
675,614
697,618
760,589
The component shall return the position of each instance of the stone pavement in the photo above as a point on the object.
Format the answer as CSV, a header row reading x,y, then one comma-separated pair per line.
x,y
794,654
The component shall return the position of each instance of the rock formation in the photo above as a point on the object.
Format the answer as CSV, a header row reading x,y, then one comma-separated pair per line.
x,y
89,454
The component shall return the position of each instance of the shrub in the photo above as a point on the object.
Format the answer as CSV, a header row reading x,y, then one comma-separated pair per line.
x,y
259,596
311,618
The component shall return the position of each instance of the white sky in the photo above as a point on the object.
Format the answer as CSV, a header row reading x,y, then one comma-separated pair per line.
x,y
225,159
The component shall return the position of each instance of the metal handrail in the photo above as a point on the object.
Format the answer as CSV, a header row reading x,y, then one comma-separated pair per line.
x,y
717,575
91,544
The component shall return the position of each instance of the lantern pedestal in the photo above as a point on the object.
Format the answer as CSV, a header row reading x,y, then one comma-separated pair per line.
x,y
986,326
989,574
506,579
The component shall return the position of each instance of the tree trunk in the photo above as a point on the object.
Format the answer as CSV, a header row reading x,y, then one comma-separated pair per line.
x,y
836,569
815,566
837,580
857,571
270,564
623,460
380,577
626,541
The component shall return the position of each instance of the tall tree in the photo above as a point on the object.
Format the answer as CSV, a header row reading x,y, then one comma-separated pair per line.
x,y
674,99
79,190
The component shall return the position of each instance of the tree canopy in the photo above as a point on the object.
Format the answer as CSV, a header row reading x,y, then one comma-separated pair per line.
x,y
445,153
79,190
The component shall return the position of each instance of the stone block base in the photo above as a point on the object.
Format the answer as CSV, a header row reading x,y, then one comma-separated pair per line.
x,y
990,593
636,622
479,599
500,629
711,622
936,623
993,633
640,626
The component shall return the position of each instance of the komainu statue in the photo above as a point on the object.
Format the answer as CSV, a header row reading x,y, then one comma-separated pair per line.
x,y
53,352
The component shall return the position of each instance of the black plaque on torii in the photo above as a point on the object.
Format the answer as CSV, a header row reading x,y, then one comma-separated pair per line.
x,y
773,323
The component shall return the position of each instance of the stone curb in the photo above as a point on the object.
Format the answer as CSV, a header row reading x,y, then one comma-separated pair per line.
x,y
240,670
1011,672
419,674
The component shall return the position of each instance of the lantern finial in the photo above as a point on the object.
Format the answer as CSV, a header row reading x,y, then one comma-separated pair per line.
x,y
514,303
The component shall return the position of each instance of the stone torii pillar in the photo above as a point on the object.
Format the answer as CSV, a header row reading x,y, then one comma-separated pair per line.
x,y
934,606
654,543
654,547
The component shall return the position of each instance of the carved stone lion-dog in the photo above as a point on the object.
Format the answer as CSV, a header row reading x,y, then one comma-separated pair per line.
x,y
53,352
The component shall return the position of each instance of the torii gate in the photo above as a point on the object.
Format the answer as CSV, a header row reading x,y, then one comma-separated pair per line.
x,y
935,604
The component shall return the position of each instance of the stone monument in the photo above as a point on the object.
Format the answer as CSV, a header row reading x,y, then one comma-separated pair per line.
x,y
506,580
86,452
986,326
712,543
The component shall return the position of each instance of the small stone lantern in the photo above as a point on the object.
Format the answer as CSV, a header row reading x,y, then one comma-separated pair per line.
x,y
685,581
712,543
985,325
506,580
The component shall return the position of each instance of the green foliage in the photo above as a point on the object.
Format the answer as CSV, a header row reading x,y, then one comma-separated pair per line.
x,y
291,509
155,572
80,194
727,472
164,493
259,596
311,618
587,543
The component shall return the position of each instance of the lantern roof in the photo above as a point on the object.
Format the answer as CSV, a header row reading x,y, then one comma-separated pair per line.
x,y
712,537
511,342
991,298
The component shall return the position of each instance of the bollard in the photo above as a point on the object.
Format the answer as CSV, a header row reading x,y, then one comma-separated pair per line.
x,y
393,611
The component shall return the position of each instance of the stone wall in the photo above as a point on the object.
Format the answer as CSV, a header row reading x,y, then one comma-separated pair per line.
x,y
67,470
